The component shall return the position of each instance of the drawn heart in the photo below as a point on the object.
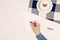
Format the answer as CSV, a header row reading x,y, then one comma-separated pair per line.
x,y
44,5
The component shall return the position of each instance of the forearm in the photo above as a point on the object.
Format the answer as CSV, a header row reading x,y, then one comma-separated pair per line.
x,y
41,37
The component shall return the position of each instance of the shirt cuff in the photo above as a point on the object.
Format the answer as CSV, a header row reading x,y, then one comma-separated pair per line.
x,y
41,37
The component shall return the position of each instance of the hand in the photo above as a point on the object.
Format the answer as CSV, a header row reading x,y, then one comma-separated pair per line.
x,y
36,27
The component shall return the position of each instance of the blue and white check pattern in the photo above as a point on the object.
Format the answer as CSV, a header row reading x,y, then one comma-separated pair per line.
x,y
50,15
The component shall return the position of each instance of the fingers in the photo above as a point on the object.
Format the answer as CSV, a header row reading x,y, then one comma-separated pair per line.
x,y
34,24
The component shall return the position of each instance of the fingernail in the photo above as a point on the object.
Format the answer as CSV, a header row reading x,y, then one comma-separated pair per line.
x,y
34,24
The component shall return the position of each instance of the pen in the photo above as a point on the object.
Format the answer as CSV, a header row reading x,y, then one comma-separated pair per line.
x,y
30,22
33,24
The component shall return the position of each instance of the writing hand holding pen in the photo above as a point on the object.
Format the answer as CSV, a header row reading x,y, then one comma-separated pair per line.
x,y
36,27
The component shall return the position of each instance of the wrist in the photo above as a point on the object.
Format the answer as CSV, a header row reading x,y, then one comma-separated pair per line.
x,y
38,33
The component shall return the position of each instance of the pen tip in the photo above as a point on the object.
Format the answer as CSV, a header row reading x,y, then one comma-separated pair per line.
x,y
30,22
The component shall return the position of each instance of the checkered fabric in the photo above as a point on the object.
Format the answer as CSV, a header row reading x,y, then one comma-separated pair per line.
x,y
50,15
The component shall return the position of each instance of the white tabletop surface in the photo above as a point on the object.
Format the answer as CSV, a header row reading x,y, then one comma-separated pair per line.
x,y
14,22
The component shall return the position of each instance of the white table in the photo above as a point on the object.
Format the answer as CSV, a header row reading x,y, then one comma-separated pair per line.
x,y
14,22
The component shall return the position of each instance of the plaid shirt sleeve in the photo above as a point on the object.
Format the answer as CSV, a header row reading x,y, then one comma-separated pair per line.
x,y
41,37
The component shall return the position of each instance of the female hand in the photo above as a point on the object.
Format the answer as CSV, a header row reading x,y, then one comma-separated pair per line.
x,y
36,27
